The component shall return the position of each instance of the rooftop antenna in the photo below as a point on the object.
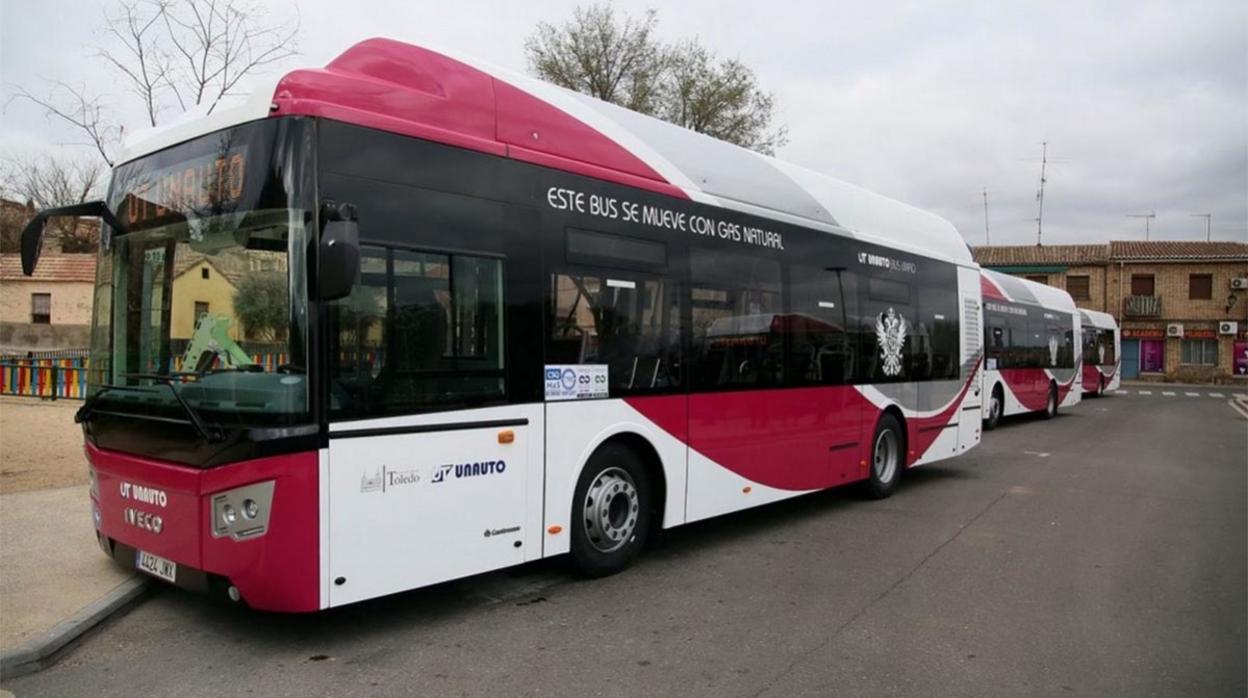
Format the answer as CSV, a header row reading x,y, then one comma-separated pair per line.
x,y
987,236
1208,224
1148,218
1044,165
1044,161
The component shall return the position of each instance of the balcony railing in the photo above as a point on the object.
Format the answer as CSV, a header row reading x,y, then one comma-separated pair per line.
x,y
1142,306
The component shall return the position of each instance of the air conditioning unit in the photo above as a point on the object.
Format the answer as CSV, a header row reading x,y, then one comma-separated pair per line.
x,y
1174,329
1239,284
1228,327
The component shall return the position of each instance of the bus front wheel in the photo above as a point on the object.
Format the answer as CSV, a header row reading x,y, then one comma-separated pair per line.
x,y
611,511
996,404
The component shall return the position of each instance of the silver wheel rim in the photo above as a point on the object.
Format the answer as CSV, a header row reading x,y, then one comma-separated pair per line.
x,y
885,464
611,510
994,407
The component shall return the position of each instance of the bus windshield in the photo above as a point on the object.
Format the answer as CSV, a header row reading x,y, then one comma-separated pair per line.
x,y
201,302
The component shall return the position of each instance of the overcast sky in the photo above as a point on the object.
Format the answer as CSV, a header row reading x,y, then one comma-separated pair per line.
x,y
1144,104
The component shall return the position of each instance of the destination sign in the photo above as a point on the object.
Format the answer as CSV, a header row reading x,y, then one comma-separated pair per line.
x,y
206,185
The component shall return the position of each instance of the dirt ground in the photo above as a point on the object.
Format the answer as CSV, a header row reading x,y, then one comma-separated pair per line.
x,y
40,446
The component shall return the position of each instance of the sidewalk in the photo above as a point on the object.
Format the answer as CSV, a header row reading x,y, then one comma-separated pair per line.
x,y
52,564
55,582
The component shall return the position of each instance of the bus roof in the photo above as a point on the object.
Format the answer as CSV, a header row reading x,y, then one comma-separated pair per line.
x,y
1097,319
996,285
401,88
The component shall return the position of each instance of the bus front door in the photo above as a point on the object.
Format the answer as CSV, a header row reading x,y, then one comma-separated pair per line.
x,y
439,497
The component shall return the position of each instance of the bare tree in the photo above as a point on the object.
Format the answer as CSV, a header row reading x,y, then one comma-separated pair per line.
x,y
622,62
593,53
45,182
719,97
170,53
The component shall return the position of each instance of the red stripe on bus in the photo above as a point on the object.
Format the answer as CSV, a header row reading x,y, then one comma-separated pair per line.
x,y
396,87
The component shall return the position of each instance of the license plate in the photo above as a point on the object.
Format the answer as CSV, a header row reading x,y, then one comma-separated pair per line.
x,y
156,566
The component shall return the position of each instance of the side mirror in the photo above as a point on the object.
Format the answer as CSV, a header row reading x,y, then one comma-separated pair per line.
x,y
32,243
339,251
32,234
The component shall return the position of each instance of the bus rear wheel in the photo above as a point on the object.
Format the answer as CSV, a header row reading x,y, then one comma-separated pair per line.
x,y
888,448
1100,387
1050,405
610,511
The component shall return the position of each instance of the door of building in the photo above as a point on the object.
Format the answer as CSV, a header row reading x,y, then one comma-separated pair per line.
x,y
1152,355
1130,358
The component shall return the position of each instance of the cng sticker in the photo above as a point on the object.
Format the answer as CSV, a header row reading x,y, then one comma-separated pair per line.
x,y
576,381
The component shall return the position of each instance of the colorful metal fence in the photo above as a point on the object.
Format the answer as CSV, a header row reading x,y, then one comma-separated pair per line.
x,y
47,378
65,376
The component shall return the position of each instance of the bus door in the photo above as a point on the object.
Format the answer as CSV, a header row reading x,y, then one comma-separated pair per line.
x,y
613,363
432,475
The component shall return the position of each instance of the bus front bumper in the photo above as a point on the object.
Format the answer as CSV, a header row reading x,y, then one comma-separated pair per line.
x,y
252,526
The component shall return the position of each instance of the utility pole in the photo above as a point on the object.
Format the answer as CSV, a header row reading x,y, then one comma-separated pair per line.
x,y
1208,224
987,237
1148,218
1044,162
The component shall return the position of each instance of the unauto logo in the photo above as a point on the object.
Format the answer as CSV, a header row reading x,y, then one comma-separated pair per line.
x,y
460,470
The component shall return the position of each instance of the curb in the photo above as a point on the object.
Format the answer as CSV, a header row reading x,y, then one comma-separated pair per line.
x,y
42,652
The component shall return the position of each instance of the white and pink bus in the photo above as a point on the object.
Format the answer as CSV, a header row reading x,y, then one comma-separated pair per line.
x,y
410,318
1031,348
1101,347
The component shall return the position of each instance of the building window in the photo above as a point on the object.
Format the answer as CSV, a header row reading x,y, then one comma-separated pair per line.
x,y
1200,286
1038,278
203,272
41,308
1142,285
1078,287
1203,352
201,309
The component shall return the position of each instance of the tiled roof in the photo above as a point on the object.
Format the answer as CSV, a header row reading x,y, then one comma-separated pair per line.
x,y
1178,249
51,267
1011,255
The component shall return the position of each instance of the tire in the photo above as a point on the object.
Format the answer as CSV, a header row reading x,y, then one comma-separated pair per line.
x,y
611,511
1100,387
996,405
888,448
1050,405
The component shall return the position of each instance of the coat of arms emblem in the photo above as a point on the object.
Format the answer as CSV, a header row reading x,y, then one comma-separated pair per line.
x,y
1052,351
890,334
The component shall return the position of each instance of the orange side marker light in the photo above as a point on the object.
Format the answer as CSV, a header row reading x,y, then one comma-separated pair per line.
x,y
506,436
747,489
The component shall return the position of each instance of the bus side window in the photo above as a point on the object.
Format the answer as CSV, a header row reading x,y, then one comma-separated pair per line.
x,y
888,305
736,311
419,331
620,319
821,351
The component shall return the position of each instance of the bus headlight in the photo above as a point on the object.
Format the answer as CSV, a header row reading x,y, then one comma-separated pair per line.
x,y
242,512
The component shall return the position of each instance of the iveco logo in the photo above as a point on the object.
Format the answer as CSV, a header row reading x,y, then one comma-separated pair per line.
x,y
144,520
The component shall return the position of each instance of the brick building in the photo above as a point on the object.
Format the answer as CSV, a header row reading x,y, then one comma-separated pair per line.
x,y
1172,299
50,310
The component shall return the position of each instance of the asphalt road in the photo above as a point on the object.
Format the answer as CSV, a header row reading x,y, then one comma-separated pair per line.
x,y
1101,553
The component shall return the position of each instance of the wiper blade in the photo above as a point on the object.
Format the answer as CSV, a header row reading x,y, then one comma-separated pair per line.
x,y
210,433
